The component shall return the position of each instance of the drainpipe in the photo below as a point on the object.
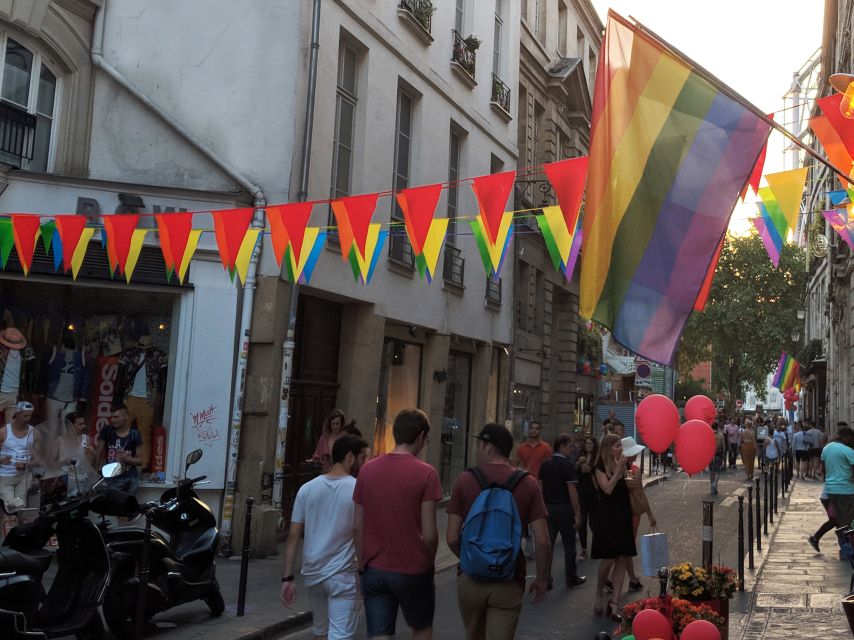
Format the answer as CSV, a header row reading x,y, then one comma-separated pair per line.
x,y
249,288
289,344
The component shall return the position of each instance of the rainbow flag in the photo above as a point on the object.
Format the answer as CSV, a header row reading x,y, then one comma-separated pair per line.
x,y
670,152
788,374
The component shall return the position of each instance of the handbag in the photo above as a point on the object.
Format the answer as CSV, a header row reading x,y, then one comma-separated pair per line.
x,y
654,553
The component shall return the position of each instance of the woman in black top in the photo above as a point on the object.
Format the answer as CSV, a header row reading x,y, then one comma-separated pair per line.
x,y
586,489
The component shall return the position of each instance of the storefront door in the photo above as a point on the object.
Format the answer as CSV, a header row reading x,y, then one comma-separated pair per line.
x,y
400,388
455,420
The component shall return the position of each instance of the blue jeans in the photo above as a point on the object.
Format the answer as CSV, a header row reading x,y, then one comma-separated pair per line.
x,y
385,591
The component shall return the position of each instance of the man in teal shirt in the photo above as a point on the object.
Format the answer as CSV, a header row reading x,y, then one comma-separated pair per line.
x,y
837,458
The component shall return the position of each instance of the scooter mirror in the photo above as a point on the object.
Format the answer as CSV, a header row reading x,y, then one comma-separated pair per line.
x,y
111,470
193,457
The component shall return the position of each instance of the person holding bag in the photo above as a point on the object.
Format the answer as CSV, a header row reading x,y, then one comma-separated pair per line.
x,y
637,499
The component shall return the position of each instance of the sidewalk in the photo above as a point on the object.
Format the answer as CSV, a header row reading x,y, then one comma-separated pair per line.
x,y
797,592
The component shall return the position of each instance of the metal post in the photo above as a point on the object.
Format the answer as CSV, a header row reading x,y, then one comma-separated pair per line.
x,y
758,517
663,574
708,532
750,527
774,477
244,558
765,503
741,543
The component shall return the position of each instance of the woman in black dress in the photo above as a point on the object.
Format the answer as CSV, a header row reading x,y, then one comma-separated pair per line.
x,y
613,541
586,489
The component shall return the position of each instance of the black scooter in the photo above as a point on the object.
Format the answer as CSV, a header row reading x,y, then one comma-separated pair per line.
x,y
177,566
70,608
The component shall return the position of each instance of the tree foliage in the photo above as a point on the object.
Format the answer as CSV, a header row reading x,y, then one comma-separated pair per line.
x,y
750,315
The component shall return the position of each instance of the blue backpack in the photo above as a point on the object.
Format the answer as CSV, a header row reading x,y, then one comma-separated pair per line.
x,y
491,537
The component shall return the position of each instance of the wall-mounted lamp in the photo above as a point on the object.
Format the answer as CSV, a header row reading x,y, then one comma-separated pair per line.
x,y
440,376
844,84
801,314
796,335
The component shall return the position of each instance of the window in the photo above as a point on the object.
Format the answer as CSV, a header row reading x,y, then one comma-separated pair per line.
x,y
453,188
542,6
28,93
496,164
399,248
539,132
459,15
345,119
591,68
562,29
579,45
496,44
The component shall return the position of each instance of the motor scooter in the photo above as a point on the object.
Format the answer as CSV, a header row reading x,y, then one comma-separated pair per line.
x,y
176,562
70,607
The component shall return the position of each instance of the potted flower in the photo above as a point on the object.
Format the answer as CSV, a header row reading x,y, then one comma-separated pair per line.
x,y
713,588
678,611
472,43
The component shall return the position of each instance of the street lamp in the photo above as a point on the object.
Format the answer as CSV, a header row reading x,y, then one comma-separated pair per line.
x,y
801,314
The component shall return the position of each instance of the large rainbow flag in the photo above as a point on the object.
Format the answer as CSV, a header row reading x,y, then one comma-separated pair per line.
x,y
670,153
788,374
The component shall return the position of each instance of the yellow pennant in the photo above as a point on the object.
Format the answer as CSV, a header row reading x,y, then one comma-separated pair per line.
x,y
80,251
192,243
496,250
308,242
133,255
244,256
562,236
370,247
788,189
434,242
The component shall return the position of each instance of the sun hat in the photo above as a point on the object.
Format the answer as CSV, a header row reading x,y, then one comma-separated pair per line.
x,y
630,447
144,342
23,405
11,338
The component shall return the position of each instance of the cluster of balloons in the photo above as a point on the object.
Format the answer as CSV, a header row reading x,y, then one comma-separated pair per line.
x,y
657,419
791,397
650,624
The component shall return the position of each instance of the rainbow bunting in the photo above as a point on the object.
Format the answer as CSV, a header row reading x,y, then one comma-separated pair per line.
x,y
841,222
244,254
560,225
788,374
71,242
493,226
7,240
230,228
669,154
771,245
361,241
560,241
178,242
294,241
780,204
426,233
25,229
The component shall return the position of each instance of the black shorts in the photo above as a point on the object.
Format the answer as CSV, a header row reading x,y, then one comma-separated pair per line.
x,y
815,453
385,591
801,455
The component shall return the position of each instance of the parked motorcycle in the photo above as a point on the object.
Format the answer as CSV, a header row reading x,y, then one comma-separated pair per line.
x,y
176,566
70,607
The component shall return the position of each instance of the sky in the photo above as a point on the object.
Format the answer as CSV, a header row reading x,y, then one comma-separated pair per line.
x,y
754,46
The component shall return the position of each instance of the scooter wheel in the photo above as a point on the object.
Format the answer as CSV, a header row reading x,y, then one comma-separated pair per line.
x,y
94,630
120,611
214,601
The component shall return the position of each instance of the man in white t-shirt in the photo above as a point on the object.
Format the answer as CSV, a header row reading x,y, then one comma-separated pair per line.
x,y
324,514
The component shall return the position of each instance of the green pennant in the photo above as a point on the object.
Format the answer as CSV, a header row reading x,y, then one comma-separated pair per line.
x,y
480,241
551,245
47,229
421,264
354,263
289,271
7,240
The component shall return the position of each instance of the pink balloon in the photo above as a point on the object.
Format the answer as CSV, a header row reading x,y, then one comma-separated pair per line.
x,y
657,419
701,408
700,630
695,446
649,624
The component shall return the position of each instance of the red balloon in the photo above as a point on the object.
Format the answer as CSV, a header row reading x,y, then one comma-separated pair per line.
x,y
649,624
701,408
695,446
700,630
657,420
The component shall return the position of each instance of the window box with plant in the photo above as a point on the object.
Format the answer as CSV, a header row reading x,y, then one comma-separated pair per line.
x,y
463,56
419,15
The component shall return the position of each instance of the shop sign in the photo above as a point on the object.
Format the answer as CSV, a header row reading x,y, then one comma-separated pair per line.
x,y
103,392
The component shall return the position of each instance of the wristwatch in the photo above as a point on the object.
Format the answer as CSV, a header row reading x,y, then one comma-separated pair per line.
x,y
289,578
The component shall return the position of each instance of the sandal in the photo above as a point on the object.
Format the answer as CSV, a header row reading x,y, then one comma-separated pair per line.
x,y
635,585
598,610
613,612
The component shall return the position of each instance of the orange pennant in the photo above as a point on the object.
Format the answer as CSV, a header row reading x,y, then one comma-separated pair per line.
x,y
353,215
492,193
833,147
567,178
755,174
25,229
287,226
419,206
120,228
70,228
174,231
703,296
843,127
230,226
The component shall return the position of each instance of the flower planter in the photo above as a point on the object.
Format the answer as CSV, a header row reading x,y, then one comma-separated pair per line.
x,y
721,607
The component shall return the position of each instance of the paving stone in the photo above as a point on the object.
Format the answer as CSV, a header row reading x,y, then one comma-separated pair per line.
x,y
824,601
781,600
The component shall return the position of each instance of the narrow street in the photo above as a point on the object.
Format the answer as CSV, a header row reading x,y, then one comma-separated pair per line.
x,y
567,615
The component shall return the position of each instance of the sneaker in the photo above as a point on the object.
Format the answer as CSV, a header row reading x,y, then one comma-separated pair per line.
x,y
635,585
576,581
814,543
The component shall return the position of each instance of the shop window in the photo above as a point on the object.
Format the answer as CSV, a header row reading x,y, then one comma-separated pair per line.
x,y
525,402
88,349
28,91
455,419
400,388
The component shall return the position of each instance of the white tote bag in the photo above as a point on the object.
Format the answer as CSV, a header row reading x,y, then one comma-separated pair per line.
x,y
654,553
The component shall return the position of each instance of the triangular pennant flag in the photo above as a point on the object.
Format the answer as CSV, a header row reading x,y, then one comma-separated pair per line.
x,y
492,254
703,296
756,173
244,255
419,207
133,252
57,249
46,232
839,220
230,227
80,251
492,193
300,270
353,215
192,243
7,240
70,232
119,228
174,230
833,147
429,256
25,229
788,190
573,255
837,197
770,247
774,217
567,178
287,225
843,127
557,235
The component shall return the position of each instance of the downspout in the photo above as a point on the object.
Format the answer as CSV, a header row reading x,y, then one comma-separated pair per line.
x,y
260,202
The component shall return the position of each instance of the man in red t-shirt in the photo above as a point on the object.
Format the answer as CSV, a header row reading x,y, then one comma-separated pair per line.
x,y
533,452
396,534
491,609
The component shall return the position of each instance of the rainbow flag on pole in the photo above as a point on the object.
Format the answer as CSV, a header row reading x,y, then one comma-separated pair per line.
x,y
788,374
671,149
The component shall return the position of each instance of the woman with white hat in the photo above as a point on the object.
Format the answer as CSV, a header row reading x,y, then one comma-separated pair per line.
x,y
14,355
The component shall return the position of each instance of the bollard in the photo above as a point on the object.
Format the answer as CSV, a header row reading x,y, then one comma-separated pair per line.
x,y
663,574
765,503
244,558
758,518
708,533
142,574
741,543
775,492
750,527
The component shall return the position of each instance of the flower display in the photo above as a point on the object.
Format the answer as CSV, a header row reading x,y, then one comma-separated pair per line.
x,y
678,611
696,583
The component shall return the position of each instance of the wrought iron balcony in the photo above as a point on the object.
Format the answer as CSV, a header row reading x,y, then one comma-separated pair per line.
x,y
454,267
500,94
17,134
399,249
493,291
421,10
464,54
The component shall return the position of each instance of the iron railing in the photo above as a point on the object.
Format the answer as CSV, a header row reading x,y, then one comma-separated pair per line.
x,y
17,133
454,267
400,250
493,290
421,10
463,54
500,94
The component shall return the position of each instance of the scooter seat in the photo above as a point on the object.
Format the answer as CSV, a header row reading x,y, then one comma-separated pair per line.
x,y
36,562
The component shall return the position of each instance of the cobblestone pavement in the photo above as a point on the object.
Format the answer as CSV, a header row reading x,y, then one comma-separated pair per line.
x,y
798,592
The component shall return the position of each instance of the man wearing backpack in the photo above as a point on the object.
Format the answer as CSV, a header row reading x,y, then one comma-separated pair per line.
x,y
494,502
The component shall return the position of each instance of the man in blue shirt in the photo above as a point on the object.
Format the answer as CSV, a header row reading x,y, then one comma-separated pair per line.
x,y
837,459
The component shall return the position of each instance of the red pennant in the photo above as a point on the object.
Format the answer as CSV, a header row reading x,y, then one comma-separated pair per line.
x,y
419,207
174,231
288,223
833,147
492,193
70,228
844,128
120,228
703,296
230,227
360,210
567,178
25,228
755,175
